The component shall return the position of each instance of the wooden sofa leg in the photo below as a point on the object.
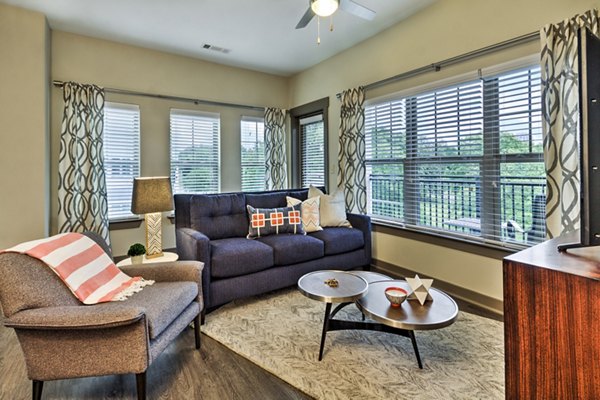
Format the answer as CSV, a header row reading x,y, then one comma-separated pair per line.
x,y
36,393
197,330
140,380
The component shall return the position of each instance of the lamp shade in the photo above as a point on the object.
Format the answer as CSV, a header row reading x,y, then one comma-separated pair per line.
x,y
151,194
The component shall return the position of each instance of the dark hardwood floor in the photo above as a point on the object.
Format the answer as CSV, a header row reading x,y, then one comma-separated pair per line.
x,y
181,372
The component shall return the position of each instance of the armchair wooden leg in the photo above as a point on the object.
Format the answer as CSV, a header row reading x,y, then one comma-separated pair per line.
x,y
202,316
36,393
197,330
140,380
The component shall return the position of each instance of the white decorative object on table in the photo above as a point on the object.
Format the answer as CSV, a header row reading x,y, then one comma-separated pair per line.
x,y
420,289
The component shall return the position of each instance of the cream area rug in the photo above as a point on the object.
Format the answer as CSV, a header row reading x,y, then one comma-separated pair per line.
x,y
281,333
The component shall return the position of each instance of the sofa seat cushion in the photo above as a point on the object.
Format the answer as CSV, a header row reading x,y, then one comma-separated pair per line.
x,y
238,256
292,249
164,302
340,240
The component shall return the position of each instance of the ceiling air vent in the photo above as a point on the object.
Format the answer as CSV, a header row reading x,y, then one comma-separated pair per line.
x,y
215,48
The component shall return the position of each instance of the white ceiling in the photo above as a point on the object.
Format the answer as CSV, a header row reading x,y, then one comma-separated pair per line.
x,y
259,33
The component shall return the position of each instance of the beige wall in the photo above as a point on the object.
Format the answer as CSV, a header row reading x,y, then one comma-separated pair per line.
x,y
109,64
24,57
445,29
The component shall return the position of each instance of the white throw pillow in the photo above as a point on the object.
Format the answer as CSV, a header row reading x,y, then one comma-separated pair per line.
x,y
310,212
332,208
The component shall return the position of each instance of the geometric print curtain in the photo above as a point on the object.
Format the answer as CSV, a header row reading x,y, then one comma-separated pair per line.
x,y
560,120
82,202
275,151
351,156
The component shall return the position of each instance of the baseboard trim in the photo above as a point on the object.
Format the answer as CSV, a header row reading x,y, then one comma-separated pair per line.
x,y
480,300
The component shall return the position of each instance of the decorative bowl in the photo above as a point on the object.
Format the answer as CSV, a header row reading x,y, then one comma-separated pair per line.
x,y
396,295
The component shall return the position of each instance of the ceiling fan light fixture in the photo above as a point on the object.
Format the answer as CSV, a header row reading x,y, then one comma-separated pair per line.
x,y
324,8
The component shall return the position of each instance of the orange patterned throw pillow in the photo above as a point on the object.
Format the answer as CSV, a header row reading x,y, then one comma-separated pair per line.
x,y
274,221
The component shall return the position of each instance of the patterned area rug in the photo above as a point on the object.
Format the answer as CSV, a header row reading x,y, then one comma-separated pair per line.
x,y
281,331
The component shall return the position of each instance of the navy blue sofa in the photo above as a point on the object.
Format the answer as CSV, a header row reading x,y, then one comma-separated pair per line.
x,y
212,228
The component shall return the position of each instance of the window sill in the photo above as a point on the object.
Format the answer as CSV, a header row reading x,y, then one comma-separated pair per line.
x,y
490,250
125,223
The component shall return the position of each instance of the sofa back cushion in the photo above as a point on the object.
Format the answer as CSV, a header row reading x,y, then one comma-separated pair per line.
x,y
219,216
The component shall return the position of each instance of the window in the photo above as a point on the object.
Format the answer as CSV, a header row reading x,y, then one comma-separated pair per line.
x,y
462,160
121,156
309,144
253,153
195,151
312,151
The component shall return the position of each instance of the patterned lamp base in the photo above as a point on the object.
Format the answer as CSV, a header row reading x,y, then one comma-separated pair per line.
x,y
153,235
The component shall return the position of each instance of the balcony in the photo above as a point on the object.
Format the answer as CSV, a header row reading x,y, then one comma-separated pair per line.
x,y
452,204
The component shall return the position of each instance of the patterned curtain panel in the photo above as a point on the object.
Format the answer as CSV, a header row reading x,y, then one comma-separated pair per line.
x,y
275,152
82,202
351,157
560,120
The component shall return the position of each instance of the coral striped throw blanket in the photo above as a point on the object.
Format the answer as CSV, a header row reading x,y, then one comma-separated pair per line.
x,y
84,267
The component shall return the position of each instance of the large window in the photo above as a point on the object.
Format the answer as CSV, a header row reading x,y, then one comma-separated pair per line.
x,y
253,153
195,151
309,144
121,156
462,160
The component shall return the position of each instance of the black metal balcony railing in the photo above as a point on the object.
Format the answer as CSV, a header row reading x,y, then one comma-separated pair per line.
x,y
454,204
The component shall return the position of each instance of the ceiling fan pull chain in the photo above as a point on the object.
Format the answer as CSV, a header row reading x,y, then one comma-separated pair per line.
x,y
318,30
331,23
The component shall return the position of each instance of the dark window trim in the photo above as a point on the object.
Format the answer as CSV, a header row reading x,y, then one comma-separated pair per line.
x,y
128,223
468,246
316,107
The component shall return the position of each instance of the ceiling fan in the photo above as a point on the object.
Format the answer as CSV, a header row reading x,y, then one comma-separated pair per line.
x,y
324,8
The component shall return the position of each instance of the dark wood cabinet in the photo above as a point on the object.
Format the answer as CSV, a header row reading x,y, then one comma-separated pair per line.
x,y
552,322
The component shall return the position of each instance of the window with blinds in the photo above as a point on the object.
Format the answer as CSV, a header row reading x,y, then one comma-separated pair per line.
x,y
253,153
465,160
121,156
195,138
312,151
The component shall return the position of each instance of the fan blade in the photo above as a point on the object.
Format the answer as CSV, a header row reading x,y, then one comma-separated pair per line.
x,y
357,9
308,15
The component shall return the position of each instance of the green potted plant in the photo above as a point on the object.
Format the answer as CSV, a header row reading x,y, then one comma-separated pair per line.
x,y
136,252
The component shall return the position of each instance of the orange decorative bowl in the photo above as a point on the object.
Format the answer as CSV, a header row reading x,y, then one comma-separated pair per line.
x,y
395,295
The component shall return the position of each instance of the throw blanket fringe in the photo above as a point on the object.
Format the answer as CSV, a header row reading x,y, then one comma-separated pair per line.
x,y
84,267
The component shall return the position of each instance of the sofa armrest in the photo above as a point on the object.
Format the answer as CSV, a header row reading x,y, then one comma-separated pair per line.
x,y
194,245
105,315
172,271
363,223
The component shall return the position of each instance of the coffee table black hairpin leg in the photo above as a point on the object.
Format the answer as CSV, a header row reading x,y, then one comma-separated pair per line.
x,y
413,339
325,328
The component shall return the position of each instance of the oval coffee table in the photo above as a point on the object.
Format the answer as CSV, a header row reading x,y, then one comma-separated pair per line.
x,y
403,320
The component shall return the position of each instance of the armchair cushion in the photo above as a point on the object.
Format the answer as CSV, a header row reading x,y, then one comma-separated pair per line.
x,y
76,317
163,302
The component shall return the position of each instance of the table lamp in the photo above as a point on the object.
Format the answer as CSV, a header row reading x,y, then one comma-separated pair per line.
x,y
151,196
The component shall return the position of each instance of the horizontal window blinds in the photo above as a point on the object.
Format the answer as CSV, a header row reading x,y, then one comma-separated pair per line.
x,y
312,151
121,156
194,150
252,154
465,159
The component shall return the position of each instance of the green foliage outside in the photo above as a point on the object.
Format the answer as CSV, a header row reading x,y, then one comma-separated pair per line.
x,y
198,169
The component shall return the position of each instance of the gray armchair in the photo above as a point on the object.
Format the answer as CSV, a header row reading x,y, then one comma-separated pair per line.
x,y
62,338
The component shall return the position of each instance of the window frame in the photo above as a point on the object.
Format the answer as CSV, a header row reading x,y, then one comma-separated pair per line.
x,y
490,160
317,107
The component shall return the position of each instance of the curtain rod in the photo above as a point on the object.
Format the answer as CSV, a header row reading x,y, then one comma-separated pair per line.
x,y
175,98
453,60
